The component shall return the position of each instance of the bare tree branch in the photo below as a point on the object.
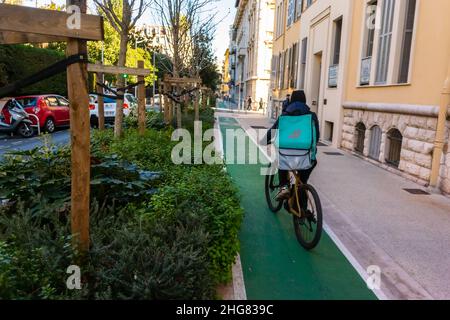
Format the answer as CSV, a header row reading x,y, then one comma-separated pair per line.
x,y
122,15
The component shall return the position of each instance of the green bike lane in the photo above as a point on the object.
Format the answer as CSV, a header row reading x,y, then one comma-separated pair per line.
x,y
274,265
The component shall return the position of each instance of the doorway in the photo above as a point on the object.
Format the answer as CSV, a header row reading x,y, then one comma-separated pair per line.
x,y
316,88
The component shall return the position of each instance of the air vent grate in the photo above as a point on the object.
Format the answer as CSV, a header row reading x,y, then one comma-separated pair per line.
x,y
417,192
333,153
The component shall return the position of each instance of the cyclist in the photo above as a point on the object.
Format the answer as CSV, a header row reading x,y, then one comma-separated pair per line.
x,y
297,107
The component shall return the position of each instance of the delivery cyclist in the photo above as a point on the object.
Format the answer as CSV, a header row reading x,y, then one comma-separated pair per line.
x,y
303,161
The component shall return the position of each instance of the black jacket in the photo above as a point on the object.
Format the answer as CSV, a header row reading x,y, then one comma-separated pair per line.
x,y
295,109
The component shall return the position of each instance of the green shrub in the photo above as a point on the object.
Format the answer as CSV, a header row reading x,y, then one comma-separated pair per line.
x,y
35,251
131,256
205,190
21,61
168,236
46,171
154,120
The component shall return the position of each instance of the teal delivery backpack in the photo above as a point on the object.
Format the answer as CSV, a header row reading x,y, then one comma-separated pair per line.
x,y
296,142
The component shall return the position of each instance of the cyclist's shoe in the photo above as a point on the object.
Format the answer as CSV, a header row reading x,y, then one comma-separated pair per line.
x,y
283,194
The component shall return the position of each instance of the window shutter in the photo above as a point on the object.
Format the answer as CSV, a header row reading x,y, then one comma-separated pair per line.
x,y
384,48
407,42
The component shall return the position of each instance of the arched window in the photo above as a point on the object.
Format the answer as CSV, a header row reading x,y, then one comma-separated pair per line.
x,y
360,133
394,147
375,142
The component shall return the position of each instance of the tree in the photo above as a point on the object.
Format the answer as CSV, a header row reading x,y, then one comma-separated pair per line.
x,y
122,15
190,25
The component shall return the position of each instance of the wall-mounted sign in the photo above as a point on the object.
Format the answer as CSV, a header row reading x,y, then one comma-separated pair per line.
x,y
333,74
366,66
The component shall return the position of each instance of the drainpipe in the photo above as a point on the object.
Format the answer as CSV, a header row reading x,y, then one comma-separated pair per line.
x,y
440,132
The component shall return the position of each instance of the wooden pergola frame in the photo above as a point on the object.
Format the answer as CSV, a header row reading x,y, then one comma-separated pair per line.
x,y
170,82
20,24
140,72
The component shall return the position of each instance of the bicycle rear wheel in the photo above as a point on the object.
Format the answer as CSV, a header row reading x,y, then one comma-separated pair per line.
x,y
271,189
308,227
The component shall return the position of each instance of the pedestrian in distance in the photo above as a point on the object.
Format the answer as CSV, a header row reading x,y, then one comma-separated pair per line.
x,y
249,103
286,102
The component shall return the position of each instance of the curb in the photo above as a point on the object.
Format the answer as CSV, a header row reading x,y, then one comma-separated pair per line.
x,y
236,289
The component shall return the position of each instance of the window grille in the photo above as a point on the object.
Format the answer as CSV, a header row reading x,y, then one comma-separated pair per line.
x,y
375,142
394,144
360,137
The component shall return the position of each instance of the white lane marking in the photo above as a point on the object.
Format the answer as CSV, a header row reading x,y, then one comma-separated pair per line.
x,y
356,265
238,275
345,251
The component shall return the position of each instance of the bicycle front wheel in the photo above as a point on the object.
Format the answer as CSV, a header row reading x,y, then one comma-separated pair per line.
x,y
308,227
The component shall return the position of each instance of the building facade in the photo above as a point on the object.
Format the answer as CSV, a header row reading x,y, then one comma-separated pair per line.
x,y
398,60
310,53
225,86
285,54
251,48
155,35
374,72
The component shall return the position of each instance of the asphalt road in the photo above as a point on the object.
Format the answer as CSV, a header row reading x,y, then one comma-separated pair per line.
x,y
16,143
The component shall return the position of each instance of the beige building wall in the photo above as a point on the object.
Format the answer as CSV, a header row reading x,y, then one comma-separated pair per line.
x,y
326,60
404,114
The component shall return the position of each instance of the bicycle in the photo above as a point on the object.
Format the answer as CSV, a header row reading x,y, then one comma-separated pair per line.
x,y
307,219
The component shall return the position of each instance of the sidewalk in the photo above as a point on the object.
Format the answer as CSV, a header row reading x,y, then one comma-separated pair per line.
x,y
374,221
229,106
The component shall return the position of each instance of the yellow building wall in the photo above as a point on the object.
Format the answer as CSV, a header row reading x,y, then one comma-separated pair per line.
x,y
226,74
285,41
431,51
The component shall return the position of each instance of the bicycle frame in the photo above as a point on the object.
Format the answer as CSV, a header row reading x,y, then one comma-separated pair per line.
x,y
294,199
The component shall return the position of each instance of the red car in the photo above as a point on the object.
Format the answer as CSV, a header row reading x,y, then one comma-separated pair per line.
x,y
52,110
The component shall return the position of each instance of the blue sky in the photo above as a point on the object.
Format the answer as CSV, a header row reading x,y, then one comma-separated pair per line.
x,y
226,16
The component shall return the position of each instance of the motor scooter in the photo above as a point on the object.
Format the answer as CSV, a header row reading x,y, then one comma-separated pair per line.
x,y
19,121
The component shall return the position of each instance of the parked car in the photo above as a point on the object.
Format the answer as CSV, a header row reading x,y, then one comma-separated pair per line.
x,y
129,104
52,110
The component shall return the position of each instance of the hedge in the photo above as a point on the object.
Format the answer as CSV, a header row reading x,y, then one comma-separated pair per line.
x,y
20,61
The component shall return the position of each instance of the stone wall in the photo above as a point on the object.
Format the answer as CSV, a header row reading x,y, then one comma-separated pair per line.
x,y
445,169
418,139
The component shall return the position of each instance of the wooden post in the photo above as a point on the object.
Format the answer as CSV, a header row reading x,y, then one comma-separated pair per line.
x,y
77,86
179,122
196,106
162,103
141,101
166,103
185,103
100,101
204,98
171,106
